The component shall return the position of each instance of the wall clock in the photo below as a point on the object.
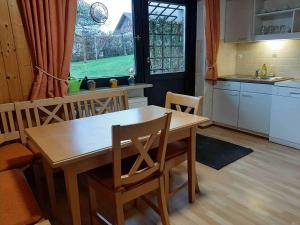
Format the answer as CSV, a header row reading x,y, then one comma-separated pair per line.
x,y
99,12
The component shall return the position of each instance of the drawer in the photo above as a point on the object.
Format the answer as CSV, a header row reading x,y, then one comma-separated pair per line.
x,y
288,92
137,102
228,85
257,88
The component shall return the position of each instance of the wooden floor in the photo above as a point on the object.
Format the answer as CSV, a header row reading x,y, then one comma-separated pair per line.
x,y
261,188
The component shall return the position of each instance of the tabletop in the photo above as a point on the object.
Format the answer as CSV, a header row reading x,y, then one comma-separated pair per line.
x,y
67,141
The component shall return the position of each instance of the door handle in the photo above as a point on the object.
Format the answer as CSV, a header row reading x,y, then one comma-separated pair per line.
x,y
247,96
137,37
294,93
149,61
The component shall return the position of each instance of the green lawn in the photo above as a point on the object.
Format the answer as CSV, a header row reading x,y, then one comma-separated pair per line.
x,y
106,67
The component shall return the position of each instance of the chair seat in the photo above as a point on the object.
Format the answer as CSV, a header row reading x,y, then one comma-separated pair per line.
x,y
176,148
17,203
104,175
14,156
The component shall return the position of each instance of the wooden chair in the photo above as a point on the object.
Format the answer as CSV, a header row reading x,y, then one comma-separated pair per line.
x,y
96,103
40,113
177,152
12,155
110,187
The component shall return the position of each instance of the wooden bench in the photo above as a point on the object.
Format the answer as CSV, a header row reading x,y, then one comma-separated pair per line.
x,y
17,203
53,110
12,154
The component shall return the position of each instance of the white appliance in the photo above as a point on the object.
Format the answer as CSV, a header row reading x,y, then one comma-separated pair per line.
x,y
285,114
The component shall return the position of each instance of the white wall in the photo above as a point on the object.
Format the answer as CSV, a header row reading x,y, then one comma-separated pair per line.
x,y
226,59
284,55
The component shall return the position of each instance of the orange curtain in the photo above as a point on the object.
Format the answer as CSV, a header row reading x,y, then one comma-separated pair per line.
x,y
50,26
212,35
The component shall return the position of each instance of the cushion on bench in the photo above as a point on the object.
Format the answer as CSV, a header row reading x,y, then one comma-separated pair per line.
x,y
14,156
17,203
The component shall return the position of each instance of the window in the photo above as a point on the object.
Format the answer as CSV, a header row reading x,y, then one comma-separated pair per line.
x,y
166,37
103,42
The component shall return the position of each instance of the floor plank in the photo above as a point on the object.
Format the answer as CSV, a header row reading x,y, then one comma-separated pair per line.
x,y
262,188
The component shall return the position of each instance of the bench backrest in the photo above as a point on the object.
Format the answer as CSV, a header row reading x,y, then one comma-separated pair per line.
x,y
91,104
8,129
41,112
52,110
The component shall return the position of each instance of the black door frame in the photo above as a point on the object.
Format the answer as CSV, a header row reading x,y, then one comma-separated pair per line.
x,y
142,46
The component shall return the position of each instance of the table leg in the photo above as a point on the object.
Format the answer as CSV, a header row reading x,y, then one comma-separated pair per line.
x,y
191,165
73,194
51,187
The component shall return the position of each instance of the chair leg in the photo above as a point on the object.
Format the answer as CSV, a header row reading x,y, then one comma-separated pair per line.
x,y
51,187
36,167
167,187
93,205
119,210
197,186
162,202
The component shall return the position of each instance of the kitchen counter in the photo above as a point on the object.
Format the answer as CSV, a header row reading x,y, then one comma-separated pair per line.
x,y
252,79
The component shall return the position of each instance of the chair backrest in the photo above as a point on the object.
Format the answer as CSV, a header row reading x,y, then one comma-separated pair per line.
x,y
189,102
91,104
143,166
41,112
8,130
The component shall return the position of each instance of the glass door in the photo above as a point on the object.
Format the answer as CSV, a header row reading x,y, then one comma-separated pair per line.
x,y
166,37
169,48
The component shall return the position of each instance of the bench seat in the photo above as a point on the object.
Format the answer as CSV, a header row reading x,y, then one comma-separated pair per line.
x,y
13,156
17,203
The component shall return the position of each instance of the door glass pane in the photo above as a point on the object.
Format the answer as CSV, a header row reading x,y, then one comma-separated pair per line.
x,y
103,43
166,37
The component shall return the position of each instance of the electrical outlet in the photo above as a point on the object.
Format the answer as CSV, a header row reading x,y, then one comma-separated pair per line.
x,y
274,55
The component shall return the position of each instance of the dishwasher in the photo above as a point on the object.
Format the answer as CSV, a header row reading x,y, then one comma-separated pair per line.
x,y
285,114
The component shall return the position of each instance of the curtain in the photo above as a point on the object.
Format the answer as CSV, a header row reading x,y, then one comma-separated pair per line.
x,y
212,36
50,27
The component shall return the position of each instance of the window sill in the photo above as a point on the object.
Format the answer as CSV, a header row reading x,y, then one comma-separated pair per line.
x,y
120,88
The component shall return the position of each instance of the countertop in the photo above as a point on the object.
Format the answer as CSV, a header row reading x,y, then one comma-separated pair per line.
x,y
252,79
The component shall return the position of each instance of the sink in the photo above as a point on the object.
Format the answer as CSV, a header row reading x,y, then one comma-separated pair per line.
x,y
253,78
268,78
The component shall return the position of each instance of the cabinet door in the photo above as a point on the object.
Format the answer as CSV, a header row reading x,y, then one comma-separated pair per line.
x,y
254,112
239,16
285,119
225,107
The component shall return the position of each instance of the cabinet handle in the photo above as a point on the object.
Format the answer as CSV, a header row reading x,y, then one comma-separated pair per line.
x,y
294,93
232,94
247,96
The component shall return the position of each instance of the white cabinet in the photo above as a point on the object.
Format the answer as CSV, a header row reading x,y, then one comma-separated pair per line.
x,y
285,117
137,102
243,105
239,20
254,112
225,106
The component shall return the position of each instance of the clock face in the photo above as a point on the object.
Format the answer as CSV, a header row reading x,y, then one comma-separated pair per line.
x,y
99,12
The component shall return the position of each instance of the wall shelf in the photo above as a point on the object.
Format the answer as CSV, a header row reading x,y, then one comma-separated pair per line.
x,y
276,24
294,35
277,12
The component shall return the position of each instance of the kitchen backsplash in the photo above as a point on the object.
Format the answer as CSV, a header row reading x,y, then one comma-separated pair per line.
x,y
283,55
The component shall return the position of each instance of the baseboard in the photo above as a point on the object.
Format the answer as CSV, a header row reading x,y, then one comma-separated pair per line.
x,y
285,142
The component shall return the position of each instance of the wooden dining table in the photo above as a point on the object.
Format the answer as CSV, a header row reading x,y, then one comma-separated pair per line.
x,y
80,145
